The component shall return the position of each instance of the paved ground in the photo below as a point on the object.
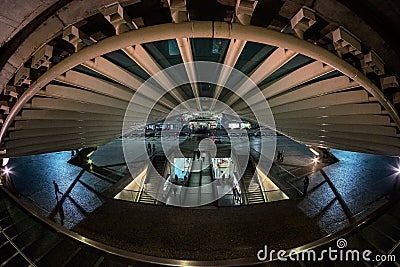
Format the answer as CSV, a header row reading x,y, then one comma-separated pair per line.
x,y
201,234
363,181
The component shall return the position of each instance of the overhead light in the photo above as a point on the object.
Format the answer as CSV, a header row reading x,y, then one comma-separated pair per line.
x,y
6,170
397,169
315,160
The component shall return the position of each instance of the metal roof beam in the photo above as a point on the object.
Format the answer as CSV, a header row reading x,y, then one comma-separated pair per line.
x,y
315,89
232,55
185,50
339,98
68,105
62,138
125,78
351,146
57,91
371,129
350,119
38,114
293,79
339,110
29,133
55,146
271,64
139,55
332,135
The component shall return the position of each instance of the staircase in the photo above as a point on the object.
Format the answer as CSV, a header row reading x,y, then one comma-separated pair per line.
x,y
152,183
380,235
27,241
251,189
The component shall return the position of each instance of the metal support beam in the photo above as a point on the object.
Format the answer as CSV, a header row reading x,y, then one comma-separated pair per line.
x,y
332,135
126,79
200,29
139,55
185,50
293,79
271,64
96,85
371,129
55,146
62,138
40,132
319,88
232,55
354,120
338,110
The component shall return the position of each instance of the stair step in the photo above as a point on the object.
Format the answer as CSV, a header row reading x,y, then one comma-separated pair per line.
x,y
7,251
378,240
28,236
17,260
100,262
3,240
17,228
20,239
7,221
387,229
40,246
59,255
360,243
388,219
89,255
254,197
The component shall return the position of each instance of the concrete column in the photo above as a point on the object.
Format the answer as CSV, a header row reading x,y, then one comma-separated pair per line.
x,y
345,42
303,20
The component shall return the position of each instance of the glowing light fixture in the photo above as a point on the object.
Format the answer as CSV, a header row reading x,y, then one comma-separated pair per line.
x,y
397,169
6,170
315,160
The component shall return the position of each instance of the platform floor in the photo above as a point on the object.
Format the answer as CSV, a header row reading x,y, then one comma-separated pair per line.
x,y
363,181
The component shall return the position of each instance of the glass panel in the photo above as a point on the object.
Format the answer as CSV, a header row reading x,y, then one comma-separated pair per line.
x,y
209,49
252,55
165,52
121,59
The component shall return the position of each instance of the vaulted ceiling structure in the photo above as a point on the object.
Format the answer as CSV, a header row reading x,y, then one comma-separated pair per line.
x,y
69,85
